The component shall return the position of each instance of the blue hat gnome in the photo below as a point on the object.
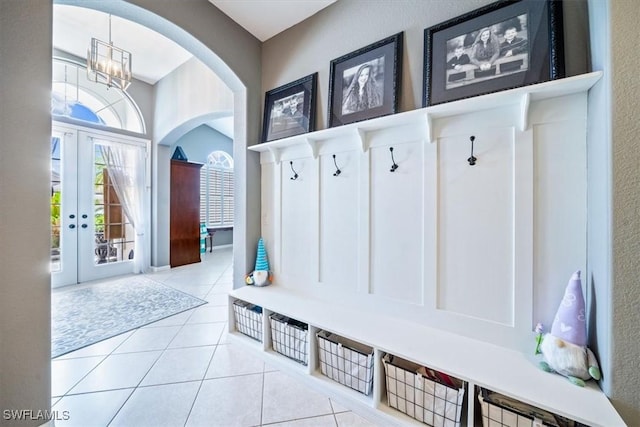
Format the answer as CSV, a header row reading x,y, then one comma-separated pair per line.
x,y
565,348
261,276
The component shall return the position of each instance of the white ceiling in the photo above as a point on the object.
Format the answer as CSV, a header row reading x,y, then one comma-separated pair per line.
x,y
266,18
153,55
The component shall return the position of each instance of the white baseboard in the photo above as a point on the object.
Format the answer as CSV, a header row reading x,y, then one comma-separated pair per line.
x,y
161,268
230,245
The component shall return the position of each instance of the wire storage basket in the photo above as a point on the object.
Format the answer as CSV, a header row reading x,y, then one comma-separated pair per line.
x,y
428,396
289,337
248,319
503,411
348,362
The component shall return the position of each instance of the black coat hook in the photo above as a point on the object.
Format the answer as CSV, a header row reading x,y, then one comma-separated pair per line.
x,y
338,171
394,166
295,174
472,159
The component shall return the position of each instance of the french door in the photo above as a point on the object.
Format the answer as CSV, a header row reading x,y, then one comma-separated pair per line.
x,y
91,237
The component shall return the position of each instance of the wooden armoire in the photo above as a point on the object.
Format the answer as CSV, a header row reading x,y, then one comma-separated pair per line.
x,y
184,213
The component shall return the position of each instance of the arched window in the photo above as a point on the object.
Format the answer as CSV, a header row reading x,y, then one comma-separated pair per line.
x,y
74,96
220,159
216,190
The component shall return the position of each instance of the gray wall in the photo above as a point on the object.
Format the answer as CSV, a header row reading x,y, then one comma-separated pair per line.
x,y
625,209
25,125
201,29
599,193
197,145
614,203
348,25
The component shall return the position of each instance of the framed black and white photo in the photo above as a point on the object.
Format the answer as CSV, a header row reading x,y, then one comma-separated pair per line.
x,y
504,45
365,84
290,110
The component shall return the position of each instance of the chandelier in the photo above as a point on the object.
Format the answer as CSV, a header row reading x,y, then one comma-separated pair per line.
x,y
108,64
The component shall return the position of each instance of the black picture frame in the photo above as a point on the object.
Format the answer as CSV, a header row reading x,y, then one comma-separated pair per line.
x,y
347,104
290,110
536,53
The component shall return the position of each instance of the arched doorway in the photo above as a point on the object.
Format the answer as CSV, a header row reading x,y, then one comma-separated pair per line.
x,y
241,73
94,233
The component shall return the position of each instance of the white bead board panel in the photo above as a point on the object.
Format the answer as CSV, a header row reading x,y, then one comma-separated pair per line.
x,y
561,203
396,222
298,225
270,214
475,227
339,233
479,228
388,278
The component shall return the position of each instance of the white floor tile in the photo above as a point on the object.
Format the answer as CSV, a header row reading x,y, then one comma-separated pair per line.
x,y
90,410
286,399
337,407
165,388
233,401
217,299
198,334
198,291
65,373
147,339
158,406
225,335
209,314
175,320
350,419
270,368
180,365
193,279
229,360
222,288
118,371
160,276
323,421
102,348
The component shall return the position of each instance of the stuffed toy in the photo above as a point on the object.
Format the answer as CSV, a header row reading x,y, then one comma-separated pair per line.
x,y
564,348
260,276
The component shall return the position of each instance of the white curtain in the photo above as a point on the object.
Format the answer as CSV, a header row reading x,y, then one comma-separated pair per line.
x,y
126,166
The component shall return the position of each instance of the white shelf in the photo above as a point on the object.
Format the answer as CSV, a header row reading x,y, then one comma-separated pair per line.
x,y
357,132
499,369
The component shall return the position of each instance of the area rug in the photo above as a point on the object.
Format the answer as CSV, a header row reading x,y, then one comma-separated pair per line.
x,y
86,314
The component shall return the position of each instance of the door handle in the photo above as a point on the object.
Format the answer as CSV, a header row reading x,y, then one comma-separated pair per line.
x,y
72,226
72,216
84,225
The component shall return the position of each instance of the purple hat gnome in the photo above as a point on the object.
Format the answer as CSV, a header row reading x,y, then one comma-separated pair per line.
x,y
565,348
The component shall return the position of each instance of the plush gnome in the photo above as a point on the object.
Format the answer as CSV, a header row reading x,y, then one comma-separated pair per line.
x,y
260,276
565,348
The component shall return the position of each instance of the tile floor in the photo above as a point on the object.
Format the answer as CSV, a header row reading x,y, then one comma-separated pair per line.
x,y
181,371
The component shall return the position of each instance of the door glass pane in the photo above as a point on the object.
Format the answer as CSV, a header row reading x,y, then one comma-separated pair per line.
x,y
114,234
56,203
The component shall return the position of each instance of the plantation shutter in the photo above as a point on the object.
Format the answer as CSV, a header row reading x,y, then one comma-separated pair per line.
x,y
216,191
227,197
